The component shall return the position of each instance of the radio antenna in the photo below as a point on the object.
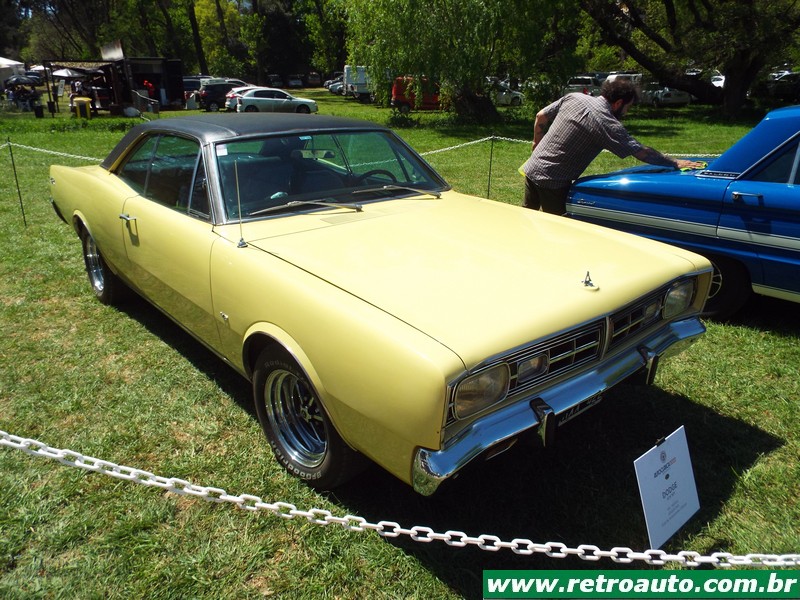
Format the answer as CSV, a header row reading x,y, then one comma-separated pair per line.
x,y
242,243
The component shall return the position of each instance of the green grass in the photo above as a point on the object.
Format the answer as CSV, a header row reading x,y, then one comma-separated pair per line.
x,y
130,387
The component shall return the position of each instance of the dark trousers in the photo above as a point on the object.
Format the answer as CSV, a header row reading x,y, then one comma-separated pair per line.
x,y
553,201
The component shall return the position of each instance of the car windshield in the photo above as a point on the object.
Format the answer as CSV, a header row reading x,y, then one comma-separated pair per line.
x,y
258,175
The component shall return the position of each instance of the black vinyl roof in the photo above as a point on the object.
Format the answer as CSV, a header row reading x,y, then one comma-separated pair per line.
x,y
214,127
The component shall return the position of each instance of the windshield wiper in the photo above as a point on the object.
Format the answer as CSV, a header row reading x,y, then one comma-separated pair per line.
x,y
383,188
301,203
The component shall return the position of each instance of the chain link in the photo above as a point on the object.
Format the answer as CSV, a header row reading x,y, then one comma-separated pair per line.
x,y
388,529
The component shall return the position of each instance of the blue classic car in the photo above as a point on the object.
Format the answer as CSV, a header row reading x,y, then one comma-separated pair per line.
x,y
742,212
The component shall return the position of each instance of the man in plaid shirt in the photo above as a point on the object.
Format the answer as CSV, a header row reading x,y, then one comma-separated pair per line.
x,y
569,133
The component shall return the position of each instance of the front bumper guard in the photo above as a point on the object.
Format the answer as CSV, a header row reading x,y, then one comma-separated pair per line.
x,y
552,406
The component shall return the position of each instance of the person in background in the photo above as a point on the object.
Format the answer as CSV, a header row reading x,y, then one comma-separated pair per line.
x,y
569,134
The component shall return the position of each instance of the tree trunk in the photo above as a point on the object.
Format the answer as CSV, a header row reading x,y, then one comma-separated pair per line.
x,y
475,108
198,42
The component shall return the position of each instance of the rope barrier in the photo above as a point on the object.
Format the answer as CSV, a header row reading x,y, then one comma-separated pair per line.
x,y
428,153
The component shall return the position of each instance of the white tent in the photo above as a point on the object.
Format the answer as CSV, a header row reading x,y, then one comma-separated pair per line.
x,y
7,62
8,68
68,73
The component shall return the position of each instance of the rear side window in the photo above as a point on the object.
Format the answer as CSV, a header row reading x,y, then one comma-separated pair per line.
x,y
781,168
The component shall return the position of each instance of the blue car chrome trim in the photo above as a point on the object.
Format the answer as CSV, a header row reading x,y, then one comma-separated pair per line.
x,y
773,292
541,410
762,239
583,210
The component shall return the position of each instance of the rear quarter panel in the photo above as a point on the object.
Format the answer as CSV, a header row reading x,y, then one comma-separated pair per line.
x,y
93,198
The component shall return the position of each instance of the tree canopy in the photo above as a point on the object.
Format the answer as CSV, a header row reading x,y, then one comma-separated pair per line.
x,y
458,43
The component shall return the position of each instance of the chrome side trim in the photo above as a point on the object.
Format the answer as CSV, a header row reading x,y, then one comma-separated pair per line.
x,y
631,218
432,467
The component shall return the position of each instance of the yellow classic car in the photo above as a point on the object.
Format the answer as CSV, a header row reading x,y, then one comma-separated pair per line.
x,y
377,313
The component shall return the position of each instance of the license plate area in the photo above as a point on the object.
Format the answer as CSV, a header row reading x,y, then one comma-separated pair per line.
x,y
578,409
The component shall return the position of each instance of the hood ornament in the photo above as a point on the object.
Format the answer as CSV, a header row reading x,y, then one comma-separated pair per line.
x,y
588,284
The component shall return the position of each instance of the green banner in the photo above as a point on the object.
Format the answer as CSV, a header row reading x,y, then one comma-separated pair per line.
x,y
641,584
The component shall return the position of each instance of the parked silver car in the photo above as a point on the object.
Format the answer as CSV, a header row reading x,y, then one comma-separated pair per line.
x,y
232,97
656,94
585,84
263,99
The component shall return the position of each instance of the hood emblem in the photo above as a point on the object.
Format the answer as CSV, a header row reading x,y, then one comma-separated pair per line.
x,y
588,284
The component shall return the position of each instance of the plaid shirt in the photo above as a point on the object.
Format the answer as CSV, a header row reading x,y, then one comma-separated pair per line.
x,y
581,126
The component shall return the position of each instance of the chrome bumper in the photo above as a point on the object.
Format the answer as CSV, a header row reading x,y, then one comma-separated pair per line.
x,y
552,406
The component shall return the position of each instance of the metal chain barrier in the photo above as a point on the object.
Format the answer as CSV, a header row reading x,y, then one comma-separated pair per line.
x,y
389,529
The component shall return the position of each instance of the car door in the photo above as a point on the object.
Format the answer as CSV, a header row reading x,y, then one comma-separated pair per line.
x,y
281,102
762,212
264,100
168,233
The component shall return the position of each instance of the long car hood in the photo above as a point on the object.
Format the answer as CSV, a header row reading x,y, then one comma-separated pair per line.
x,y
477,275
651,182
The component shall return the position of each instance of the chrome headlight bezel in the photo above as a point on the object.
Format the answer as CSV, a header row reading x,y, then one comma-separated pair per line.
x,y
481,390
679,298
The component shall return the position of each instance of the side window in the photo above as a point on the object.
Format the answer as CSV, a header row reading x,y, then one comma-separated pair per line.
x,y
163,168
172,170
198,203
135,170
781,168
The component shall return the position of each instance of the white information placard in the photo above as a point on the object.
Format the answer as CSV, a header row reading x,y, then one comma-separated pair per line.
x,y
667,487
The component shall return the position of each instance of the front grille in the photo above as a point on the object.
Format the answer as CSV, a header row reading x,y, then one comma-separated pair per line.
x,y
563,354
634,319
578,348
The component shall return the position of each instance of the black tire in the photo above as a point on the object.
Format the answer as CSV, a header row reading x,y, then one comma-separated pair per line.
x,y
303,109
213,106
730,288
107,287
299,430
516,101
251,108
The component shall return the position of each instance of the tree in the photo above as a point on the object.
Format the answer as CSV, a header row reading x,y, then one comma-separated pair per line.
x,y
325,22
738,38
458,42
10,20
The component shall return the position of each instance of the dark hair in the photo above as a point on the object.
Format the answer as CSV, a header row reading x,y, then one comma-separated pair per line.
x,y
619,89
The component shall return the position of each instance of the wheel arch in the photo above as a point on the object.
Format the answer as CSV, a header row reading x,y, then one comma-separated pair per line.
x,y
266,336
79,224
263,336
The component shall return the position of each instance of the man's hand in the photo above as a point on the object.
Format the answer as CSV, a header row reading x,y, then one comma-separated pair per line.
x,y
691,164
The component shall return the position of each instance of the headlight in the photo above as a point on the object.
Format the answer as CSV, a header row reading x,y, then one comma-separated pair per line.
x,y
678,299
532,367
481,391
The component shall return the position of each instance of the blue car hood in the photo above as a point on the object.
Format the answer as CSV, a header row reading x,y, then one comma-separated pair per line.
x,y
652,181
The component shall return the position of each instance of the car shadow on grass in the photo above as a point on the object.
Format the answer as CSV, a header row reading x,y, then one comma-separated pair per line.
x,y
583,491
228,380
769,314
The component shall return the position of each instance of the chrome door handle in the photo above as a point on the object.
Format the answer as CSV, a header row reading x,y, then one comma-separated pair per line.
x,y
740,197
127,218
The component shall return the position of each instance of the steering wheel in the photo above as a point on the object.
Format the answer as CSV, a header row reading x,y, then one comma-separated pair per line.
x,y
364,176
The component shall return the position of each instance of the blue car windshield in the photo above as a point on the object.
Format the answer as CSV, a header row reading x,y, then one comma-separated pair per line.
x,y
262,173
